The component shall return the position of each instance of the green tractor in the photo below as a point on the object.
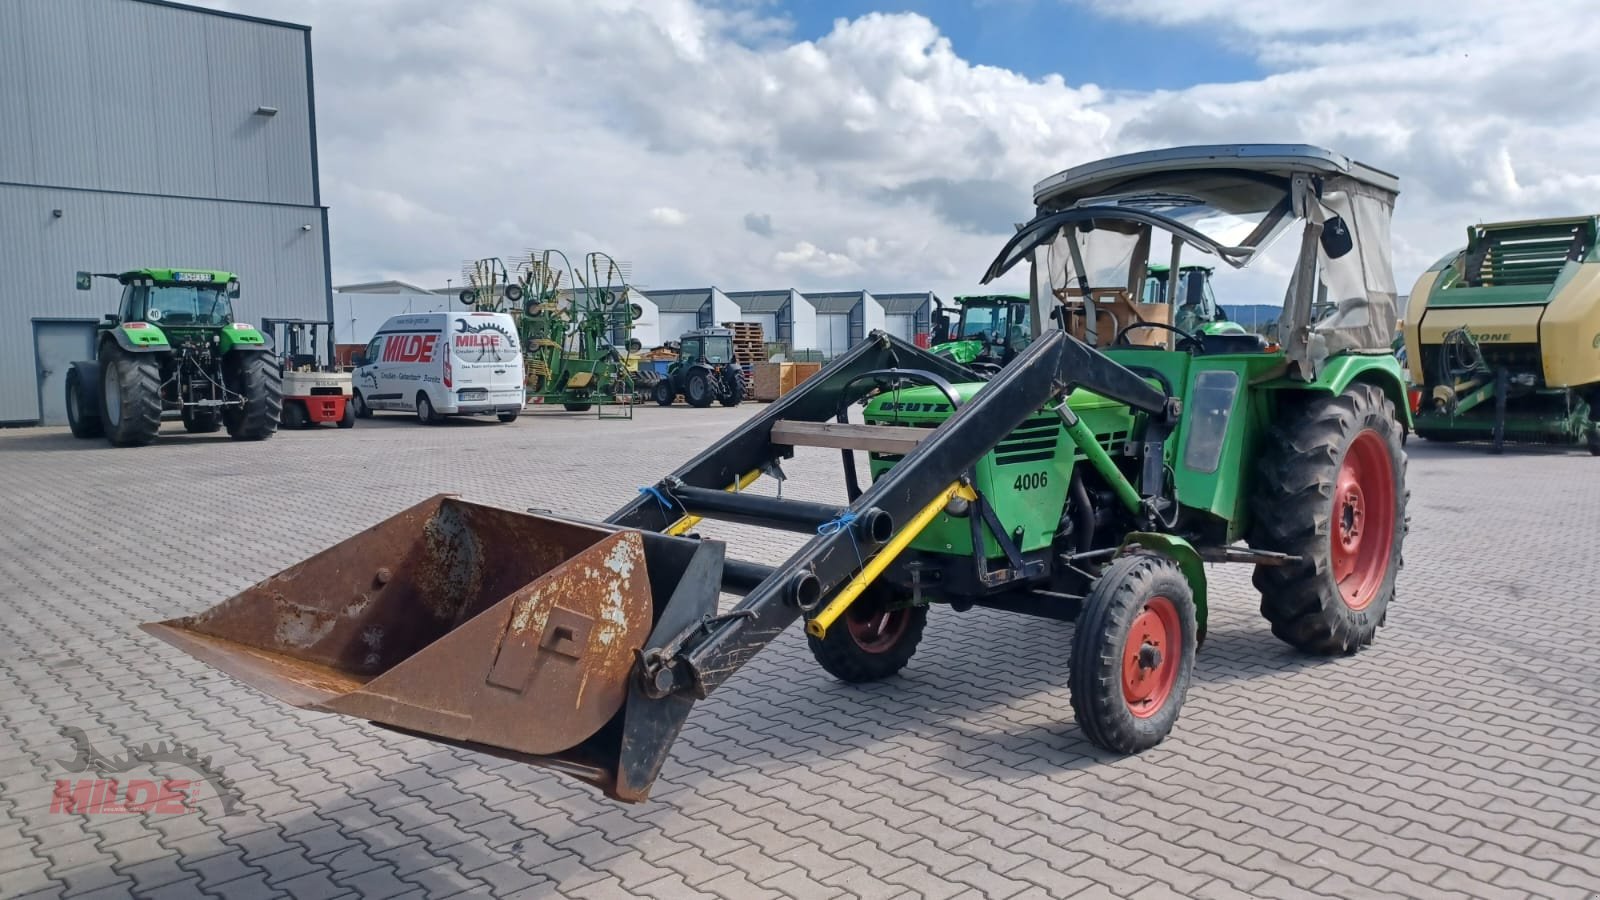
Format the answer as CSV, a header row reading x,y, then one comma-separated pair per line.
x,y
1079,483
1195,302
173,346
705,371
988,331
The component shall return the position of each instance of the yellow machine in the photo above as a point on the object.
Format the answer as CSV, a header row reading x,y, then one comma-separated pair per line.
x,y
1502,337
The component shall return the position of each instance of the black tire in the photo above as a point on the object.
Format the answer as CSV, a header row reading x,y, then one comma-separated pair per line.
x,y
577,407
1301,509
425,412
201,422
83,404
698,390
1594,438
256,377
663,393
1497,437
733,379
348,420
1144,597
359,404
507,417
130,398
294,414
850,653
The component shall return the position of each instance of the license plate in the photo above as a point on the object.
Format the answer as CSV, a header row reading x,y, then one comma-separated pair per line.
x,y
474,395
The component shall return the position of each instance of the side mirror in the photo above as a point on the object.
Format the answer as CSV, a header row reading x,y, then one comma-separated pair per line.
x,y
358,359
1336,238
85,281
111,317
941,327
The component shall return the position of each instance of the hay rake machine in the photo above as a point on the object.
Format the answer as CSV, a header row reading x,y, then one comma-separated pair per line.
x,y
1077,484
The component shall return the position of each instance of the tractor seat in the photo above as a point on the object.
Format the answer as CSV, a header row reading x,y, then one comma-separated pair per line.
x,y
1223,344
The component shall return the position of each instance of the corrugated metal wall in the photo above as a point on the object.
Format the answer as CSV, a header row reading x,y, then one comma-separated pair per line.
x,y
137,121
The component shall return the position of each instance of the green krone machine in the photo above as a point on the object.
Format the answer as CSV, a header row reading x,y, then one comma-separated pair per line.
x,y
174,346
573,345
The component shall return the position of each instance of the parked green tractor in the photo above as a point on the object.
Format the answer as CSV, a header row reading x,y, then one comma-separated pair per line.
x,y
174,346
988,331
705,371
1076,484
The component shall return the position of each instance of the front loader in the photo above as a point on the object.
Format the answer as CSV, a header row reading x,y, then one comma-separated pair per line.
x,y
1076,484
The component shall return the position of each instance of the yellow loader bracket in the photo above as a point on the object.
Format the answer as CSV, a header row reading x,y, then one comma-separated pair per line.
x,y
818,625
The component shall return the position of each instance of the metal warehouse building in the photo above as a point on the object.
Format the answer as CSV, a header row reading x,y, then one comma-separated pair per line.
x,y
146,133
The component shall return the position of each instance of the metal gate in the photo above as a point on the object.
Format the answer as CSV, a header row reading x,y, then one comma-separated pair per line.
x,y
57,344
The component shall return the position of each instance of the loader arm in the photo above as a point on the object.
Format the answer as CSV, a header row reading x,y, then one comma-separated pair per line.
x,y
1050,368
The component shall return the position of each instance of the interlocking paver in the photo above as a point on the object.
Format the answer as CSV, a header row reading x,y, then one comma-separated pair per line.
x,y
1457,754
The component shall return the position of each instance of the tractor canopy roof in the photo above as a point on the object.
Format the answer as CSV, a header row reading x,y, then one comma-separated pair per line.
x,y
177,276
1093,225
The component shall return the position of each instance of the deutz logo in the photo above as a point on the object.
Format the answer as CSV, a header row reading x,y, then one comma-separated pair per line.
x,y
918,407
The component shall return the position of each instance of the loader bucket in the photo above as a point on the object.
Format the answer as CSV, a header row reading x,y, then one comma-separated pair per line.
x,y
505,632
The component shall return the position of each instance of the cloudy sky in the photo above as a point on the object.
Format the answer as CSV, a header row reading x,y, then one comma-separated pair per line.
x,y
892,145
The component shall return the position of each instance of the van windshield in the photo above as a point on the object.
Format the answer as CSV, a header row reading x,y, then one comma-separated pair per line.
x,y
484,339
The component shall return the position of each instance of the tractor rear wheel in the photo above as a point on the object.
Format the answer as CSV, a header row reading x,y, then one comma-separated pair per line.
x,y
1133,653
663,392
197,422
256,377
130,398
872,640
83,408
1332,491
698,390
577,407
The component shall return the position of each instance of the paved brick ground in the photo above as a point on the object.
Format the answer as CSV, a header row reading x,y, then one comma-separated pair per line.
x,y
1457,757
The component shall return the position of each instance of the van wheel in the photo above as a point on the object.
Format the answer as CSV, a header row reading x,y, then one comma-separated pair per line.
x,y
507,417
425,413
363,411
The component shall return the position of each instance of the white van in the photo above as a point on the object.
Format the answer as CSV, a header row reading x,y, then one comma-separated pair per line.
x,y
442,364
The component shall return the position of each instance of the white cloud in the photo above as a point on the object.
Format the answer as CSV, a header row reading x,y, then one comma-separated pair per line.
x,y
890,162
668,215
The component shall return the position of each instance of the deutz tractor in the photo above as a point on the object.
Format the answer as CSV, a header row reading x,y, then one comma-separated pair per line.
x,y
173,345
1502,336
1077,484
705,371
988,332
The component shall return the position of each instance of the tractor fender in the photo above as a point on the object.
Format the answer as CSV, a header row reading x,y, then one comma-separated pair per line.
x,y
149,339
241,338
1189,562
1339,372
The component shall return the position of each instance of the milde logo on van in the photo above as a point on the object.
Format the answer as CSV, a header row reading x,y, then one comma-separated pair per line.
x,y
485,338
410,348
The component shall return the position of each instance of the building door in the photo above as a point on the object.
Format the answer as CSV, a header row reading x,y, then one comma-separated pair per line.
x,y
57,344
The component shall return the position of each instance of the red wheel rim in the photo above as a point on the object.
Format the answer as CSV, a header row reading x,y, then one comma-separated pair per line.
x,y
1151,657
876,630
1363,520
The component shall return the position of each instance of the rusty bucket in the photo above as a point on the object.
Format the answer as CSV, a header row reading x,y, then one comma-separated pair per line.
x,y
501,631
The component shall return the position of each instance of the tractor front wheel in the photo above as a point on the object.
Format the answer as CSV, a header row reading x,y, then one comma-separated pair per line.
x,y
663,393
257,379
130,398
1133,653
873,640
1332,491
734,383
83,407
698,390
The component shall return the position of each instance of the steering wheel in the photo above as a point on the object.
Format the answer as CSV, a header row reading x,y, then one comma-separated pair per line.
x,y
1193,340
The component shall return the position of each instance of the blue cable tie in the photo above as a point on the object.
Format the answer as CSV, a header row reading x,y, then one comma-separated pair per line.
x,y
666,505
839,523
